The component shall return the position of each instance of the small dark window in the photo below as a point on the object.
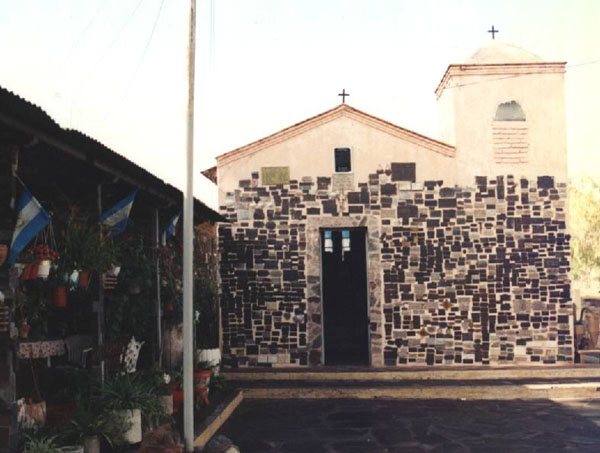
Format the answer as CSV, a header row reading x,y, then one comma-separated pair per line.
x,y
509,111
404,171
342,160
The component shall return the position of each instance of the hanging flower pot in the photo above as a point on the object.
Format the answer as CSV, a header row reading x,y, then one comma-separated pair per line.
x,y
30,272
24,329
44,269
59,296
115,270
3,253
170,306
45,252
74,278
84,279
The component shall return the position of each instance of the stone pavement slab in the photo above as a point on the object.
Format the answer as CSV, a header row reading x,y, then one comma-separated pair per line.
x,y
339,425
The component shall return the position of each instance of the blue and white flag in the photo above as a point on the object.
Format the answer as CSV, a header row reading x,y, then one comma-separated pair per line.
x,y
117,216
32,219
169,230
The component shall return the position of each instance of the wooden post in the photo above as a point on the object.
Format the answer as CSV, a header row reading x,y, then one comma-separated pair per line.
x,y
100,306
157,274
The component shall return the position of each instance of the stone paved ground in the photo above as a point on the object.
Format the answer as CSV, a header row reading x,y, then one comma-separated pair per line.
x,y
312,426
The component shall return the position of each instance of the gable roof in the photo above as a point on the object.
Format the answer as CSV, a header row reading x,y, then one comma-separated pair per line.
x,y
342,110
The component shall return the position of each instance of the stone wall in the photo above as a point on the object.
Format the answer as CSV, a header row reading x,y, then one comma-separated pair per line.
x,y
456,275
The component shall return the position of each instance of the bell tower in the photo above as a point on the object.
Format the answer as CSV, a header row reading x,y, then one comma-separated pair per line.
x,y
504,110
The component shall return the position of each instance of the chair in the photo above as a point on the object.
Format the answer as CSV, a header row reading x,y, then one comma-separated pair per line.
x,y
79,347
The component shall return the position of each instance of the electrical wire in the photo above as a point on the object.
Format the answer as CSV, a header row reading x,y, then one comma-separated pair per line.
x,y
139,65
112,44
81,36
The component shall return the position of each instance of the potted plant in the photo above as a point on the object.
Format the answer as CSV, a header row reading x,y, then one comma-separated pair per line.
x,y
59,280
31,312
37,440
72,449
130,397
138,270
171,285
202,373
92,423
30,265
45,255
207,322
87,248
161,382
177,392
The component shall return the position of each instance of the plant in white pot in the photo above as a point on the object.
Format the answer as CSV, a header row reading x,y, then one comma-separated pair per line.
x,y
207,322
131,397
38,440
163,387
92,423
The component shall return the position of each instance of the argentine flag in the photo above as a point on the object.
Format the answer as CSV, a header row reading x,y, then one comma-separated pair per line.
x,y
32,219
170,228
117,216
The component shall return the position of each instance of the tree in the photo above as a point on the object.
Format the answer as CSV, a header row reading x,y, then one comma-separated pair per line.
x,y
584,216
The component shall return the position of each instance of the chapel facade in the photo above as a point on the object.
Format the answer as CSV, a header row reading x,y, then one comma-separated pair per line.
x,y
354,241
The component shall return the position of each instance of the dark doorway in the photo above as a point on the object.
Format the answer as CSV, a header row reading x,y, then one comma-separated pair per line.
x,y
345,309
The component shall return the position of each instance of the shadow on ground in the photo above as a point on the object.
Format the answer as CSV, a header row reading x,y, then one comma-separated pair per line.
x,y
312,426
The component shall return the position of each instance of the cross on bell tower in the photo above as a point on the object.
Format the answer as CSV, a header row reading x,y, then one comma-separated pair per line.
x,y
493,31
343,94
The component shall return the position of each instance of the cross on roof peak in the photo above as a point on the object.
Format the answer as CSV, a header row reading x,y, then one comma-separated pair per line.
x,y
343,94
493,32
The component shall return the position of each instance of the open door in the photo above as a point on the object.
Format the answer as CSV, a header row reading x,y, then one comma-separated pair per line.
x,y
345,296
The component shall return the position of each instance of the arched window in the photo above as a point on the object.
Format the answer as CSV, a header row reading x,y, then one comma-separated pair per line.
x,y
509,111
510,134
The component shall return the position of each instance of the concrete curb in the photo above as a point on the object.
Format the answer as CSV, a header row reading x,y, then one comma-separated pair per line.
x,y
488,392
212,424
432,374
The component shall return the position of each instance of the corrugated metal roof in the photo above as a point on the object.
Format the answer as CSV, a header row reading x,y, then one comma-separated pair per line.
x,y
21,114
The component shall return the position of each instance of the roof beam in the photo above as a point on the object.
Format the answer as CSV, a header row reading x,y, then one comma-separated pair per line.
x,y
81,155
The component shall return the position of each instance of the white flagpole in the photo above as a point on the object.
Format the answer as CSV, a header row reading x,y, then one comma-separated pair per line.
x,y
188,249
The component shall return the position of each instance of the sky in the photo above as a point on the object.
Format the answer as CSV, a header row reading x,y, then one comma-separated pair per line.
x,y
116,69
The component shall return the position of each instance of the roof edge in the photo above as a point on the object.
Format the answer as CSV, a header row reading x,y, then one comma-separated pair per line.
x,y
330,115
509,69
16,113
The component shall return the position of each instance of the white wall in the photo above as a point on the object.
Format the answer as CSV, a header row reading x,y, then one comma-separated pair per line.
x,y
471,120
311,154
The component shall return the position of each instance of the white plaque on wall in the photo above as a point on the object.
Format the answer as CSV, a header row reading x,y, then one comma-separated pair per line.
x,y
342,182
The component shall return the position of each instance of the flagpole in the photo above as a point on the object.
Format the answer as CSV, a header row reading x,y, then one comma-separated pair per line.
x,y
188,247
